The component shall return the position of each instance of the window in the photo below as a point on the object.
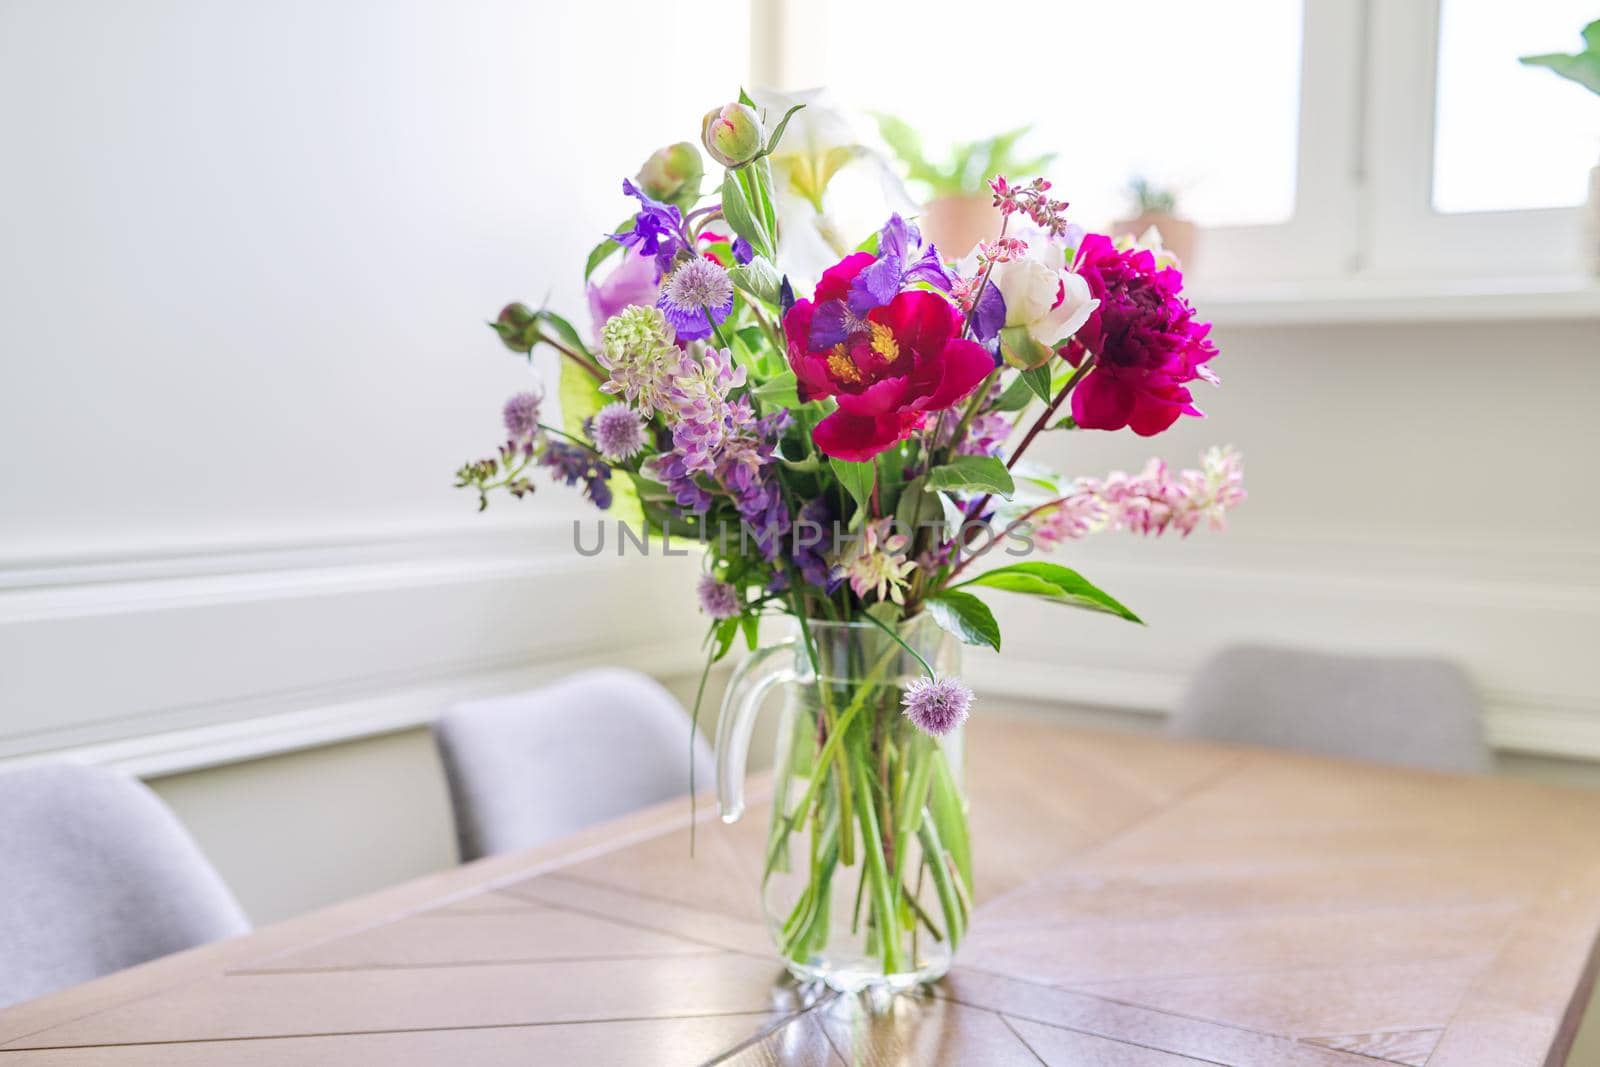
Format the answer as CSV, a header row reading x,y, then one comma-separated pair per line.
x,y
1509,137
1218,124
1317,141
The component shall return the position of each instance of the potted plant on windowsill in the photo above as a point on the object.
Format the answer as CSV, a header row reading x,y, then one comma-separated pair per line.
x,y
1157,206
958,207
1584,68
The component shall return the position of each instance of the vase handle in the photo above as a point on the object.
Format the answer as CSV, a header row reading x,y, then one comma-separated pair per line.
x,y
749,686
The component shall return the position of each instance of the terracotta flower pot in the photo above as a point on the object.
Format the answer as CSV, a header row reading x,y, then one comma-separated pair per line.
x,y
957,223
1177,235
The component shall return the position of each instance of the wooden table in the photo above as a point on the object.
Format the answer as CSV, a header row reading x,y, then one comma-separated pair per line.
x,y
1141,902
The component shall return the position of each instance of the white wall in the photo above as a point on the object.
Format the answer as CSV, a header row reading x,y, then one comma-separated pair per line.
x,y
1414,487
246,257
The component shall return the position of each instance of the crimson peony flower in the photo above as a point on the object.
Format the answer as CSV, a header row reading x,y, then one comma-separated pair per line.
x,y
1145,340
895,363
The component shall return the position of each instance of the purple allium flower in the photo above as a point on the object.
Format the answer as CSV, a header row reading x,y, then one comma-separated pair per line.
x,y
521,415
937,707
657,229
718,599
573,464
697,286
618,432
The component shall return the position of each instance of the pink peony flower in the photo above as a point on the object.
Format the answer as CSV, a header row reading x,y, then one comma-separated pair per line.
x,y
1145,340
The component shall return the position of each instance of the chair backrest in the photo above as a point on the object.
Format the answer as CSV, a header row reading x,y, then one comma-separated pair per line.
x,y
1412,711
534,766
96,874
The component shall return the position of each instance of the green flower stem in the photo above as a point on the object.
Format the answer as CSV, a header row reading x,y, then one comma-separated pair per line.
x,y
883,909
831,749
933,856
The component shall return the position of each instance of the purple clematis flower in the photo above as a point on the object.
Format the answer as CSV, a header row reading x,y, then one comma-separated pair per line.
x,y
902,259
657,230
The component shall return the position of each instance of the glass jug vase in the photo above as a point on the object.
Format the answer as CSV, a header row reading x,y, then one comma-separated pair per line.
x,y
867,877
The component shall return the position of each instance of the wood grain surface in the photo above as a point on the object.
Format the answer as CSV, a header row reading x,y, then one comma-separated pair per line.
x,y
1141,902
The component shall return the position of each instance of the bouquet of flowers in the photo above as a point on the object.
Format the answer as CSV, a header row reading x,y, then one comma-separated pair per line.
x,y
846,447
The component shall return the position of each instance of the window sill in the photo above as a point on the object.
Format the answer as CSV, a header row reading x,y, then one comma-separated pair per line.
x,y
1372,301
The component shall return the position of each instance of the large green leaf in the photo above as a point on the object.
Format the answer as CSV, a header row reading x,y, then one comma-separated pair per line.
x,y
1053,582
965,616
857,478
984,474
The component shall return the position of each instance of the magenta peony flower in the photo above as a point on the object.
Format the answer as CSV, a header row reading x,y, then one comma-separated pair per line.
x,y
888,367
1145,340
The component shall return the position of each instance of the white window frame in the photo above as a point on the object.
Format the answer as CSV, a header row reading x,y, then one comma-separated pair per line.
x,y
1407,237
1364,172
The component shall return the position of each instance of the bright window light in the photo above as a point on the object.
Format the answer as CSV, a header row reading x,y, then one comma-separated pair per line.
x,y
1200,97
1509,137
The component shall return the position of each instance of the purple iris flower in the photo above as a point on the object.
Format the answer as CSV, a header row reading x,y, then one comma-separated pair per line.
x,y
903,259
989,315
742,252
657,230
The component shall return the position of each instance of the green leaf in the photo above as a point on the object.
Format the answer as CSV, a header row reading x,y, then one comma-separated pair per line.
x,y
1021,350
741,217
565,331
1053,582
726,631
1583,68
759,278
781,390
965,616
603,250
1037,382
1067,423
982,473
1016,396
857,478
751,624
918,508
744,98
777,131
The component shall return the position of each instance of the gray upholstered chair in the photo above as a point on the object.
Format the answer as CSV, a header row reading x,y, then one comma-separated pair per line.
x,y
96,875
533,766
1412,711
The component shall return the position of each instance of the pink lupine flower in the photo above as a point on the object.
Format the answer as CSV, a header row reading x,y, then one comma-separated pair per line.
x,y
1150,502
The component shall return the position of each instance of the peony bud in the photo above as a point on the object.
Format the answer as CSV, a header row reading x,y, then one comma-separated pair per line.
x,y
518,327
732,134
672,175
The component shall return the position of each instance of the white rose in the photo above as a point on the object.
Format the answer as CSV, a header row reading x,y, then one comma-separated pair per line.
x,y
1031,287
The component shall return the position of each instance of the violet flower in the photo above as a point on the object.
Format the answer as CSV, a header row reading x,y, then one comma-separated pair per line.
x,y
657,229
695,295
